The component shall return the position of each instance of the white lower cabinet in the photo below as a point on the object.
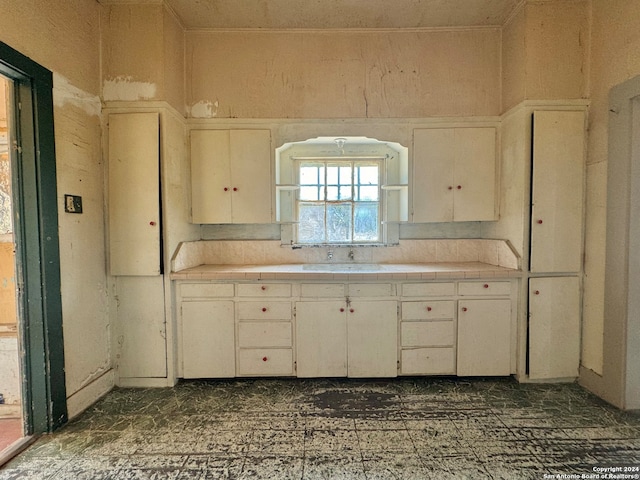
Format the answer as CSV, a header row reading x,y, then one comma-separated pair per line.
x,y
334,339
484,337
265,334
554,327
321,338
346,329
427,338
208,339
372,339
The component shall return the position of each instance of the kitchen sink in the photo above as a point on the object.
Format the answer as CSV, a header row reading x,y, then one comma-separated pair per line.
x,y
342,267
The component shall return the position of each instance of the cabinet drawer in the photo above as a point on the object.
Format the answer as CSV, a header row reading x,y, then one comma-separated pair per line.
x,y
370,290
264,290
434,310
427,334
264,334
484,288
428,361
434,289
264,310
322,290
265,361
206,290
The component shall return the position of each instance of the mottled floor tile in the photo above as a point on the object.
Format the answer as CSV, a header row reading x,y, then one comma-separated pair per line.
x,y
264,466
321,466
423,428
393,466
326,441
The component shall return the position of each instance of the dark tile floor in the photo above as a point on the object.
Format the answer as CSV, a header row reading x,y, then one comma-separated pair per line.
x,y
406,428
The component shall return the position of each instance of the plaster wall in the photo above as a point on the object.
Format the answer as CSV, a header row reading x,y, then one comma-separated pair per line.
x,y
65,38
615,58
143,54
343,74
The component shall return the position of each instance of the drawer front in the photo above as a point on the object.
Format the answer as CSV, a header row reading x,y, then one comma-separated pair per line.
x,y
438,309
265,361
370,290
205,290
428,361
484,288
322,290
266,310
264,334
434,289
264,289
427,334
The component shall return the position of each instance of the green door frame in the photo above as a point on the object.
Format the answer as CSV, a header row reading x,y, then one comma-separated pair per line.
x,y
37,246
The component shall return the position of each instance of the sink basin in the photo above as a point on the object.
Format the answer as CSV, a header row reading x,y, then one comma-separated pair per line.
x,y
342,267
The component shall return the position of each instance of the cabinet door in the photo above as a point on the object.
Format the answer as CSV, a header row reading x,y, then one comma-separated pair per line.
x,y
321,339
554,327
474,196
454,174
484,337
208,339
433,166
250,159
210,176
134,194
557,191
372,339
231,176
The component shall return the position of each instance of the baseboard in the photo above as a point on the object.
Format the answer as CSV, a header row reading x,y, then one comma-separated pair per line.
x,y
87,395
139,382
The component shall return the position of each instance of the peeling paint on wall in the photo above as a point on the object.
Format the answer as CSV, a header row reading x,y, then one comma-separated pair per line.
x,y
64,93
125,89
203,109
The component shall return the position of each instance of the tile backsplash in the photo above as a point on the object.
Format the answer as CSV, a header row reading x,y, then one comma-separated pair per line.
x,y
272,252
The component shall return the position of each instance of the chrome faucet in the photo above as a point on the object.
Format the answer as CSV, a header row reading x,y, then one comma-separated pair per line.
x,y
351,255
329,255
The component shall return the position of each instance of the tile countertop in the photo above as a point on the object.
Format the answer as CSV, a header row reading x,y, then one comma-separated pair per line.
x,y
351,271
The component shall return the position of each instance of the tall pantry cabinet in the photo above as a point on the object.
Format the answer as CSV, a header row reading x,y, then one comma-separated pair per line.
x,y
556,239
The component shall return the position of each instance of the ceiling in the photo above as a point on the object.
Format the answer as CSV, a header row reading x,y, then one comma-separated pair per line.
x,y
341,14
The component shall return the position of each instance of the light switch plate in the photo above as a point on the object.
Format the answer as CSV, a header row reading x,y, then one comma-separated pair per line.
x,y
72,203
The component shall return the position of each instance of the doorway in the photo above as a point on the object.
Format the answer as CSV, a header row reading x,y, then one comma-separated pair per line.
x,y
34,234
11,421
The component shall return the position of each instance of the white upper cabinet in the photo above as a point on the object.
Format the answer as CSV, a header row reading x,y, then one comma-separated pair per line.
x,y
134,194
231,176
557,191
454,174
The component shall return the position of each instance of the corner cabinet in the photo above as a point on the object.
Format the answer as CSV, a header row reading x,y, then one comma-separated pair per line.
x,y
556,244
231,176
454,174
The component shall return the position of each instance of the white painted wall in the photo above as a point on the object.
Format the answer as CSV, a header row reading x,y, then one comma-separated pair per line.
x,y
65,38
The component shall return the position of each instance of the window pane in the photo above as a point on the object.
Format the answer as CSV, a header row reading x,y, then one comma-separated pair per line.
x,y
310,193
309,175
369,194
345,175
332,193
339,222
366,228
332,175
345,193
311,227
368,175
